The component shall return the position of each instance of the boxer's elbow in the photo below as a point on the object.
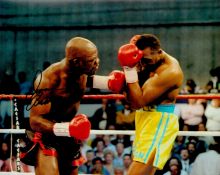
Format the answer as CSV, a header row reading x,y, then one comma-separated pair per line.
x,y
36,123
137,104
33,123
39,124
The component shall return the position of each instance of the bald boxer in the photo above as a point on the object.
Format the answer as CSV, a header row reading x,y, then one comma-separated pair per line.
x,y
58,129
153,80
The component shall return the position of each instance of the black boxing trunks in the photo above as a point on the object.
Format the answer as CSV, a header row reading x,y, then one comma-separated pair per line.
x,y
67,148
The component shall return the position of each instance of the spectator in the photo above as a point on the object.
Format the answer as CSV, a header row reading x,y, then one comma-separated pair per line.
x,y
25,86
215,73
8,85
190,87
125,118
87,166
108,144
212,112
175,167
99,149
119,106
112,136
94,140
98,167
200,145
203,141
104,116
185,162
11,165
108,157
118,170
208,87
126,162
191,146
8,159
120,138
128,150
118,160
193,139
208,163
192,115
5,151
85,147
179,144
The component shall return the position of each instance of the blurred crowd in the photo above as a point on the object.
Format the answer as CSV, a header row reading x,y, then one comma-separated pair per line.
x,y
112,154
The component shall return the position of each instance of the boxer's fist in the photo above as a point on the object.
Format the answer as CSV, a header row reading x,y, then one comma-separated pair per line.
x,y
79,127
116,81
129,55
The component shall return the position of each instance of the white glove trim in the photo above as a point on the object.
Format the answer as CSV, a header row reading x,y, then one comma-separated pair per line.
x,y
100,82
61,129
131,74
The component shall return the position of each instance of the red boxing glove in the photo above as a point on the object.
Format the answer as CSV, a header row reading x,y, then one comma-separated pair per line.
x,y
116,81
79,127
129,55
134,39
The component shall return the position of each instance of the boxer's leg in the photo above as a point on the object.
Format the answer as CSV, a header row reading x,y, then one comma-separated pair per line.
x,y
139,168
74,171
46,164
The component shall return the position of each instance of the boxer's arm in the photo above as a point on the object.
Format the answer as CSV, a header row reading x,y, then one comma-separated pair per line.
x,y
128,56
37,122
114,82
79,127
40,107
154,87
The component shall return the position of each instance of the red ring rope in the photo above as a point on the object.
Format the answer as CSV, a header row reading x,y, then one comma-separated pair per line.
x,y
116,96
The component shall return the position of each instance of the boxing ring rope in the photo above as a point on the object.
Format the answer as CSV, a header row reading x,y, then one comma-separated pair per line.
x,y
115,96
127,132
15,173
107,132
120,96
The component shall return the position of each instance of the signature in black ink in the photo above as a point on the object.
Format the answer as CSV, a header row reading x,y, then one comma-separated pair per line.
x,y
39,94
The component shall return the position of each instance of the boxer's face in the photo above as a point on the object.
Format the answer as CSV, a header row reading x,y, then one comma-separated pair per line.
x,y
149,59
150,56
92,65
92,61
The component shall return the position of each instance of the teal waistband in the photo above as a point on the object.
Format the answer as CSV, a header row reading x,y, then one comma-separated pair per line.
x,y
166,108
160,108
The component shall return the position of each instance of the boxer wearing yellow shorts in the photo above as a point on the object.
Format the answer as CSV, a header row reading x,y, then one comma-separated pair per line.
x,y
154,78
156,130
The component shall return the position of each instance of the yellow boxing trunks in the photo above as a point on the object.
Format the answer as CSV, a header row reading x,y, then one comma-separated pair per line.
x,y
156,130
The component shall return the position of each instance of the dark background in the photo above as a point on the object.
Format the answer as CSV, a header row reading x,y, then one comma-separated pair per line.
x,y
34,31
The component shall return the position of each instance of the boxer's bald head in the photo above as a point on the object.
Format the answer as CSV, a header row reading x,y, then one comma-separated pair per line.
x,y
79,47
82,55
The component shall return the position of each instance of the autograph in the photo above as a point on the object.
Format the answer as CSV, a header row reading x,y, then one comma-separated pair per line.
x,y
39,94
